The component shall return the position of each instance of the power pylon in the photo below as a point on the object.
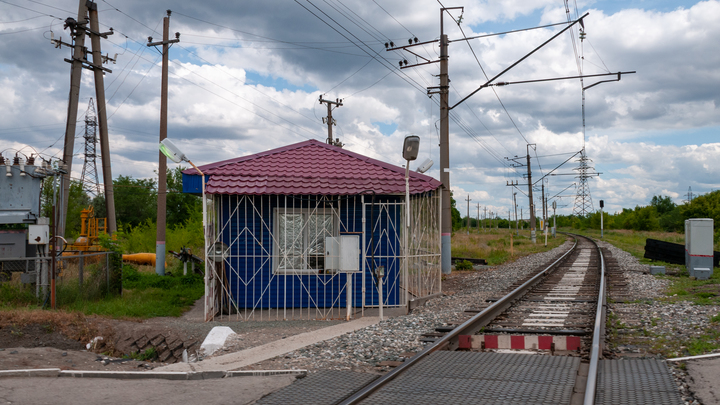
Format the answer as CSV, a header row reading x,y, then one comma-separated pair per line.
x,y
583,200
89,177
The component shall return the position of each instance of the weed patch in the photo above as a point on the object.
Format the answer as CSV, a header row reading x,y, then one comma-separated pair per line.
x,y
147,295
494,245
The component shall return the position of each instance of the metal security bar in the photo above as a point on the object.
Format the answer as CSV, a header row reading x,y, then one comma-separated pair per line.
x,y
267,257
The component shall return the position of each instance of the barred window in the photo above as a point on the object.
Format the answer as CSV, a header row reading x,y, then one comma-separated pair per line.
x,y
300,240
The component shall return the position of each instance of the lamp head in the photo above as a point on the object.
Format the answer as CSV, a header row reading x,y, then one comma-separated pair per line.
x,y
411,147
425,166
171,151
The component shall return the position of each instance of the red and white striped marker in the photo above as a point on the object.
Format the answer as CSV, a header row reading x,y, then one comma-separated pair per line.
x,y
519,342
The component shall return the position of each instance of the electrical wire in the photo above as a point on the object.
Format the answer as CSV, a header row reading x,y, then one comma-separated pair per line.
x,y
391,16
251,87
486,76
244,99
404,78
131,17
347,78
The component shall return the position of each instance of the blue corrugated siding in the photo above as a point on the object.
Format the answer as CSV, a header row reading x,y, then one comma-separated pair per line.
x,y
252,284
192,183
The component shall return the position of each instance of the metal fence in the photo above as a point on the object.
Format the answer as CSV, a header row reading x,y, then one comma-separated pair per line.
x,y
85,273
270,260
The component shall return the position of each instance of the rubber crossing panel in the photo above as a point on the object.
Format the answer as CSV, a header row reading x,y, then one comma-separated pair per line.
x,y
636,382
482,378
322,388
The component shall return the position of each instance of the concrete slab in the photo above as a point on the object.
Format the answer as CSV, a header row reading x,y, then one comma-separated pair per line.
x,y
72,391
267,351
38,372
705,383
216,339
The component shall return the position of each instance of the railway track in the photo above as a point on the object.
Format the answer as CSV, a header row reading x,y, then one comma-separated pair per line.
x,y
558,312
540,342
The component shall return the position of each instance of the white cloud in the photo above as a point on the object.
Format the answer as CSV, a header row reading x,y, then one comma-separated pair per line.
x,y
262,94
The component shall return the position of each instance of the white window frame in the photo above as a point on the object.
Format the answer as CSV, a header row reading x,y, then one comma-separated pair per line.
x,y
278,239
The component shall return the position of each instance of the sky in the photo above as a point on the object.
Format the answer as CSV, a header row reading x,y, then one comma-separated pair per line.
x,y
246,77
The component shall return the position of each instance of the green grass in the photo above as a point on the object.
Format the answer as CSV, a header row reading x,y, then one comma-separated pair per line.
x,y
146,295
682,288
12,296
145,355
700,292
494,245
464,265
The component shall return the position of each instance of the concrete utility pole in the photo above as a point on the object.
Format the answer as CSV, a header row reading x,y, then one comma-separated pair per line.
x,y
477,217
99,72
468,214
75,76
87,14
517,223
162,166
443,90
329,120
530,197
543,204
484,219
446,217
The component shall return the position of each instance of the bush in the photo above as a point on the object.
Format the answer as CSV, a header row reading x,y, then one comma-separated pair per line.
x,y
16,295
463,265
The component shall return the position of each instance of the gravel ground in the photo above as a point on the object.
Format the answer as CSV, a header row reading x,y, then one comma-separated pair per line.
x,y
652,327
640,284
396,338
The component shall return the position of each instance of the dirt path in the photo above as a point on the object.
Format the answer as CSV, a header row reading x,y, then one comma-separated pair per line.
x,y
42,339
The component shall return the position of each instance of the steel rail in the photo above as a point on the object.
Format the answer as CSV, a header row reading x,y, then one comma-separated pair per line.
x,y
470,326
598,335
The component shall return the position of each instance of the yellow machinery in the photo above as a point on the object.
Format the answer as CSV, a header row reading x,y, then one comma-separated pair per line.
x,y
90,229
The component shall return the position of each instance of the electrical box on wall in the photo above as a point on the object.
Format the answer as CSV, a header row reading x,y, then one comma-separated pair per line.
x,y
342,253
12,243
19,194
699,247
38,234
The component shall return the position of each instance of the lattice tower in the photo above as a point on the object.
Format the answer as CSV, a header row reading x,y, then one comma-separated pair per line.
x,y
89,177
583,200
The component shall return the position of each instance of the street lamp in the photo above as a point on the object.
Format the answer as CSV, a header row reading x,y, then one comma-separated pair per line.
x,y
168,148
411,147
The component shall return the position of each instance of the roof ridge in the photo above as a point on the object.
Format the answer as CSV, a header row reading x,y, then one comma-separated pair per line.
x,y
309,166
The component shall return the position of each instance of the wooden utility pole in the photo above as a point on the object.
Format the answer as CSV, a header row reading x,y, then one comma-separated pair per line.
x,y
468,214
162,166
329,120
530,197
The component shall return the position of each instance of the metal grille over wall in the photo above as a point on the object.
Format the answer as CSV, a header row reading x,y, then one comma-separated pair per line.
x,y
267,255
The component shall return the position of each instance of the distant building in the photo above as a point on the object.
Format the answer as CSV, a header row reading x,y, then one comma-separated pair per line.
x,y
277,219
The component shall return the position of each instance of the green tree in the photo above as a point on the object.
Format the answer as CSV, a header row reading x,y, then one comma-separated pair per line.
x,y
456,217
78,200
135,200
181,207
663,204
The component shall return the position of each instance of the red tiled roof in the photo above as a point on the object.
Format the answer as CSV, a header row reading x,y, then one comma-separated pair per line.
x,y
309,168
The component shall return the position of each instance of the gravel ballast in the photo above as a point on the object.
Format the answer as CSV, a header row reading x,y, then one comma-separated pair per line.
x,y
396,338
